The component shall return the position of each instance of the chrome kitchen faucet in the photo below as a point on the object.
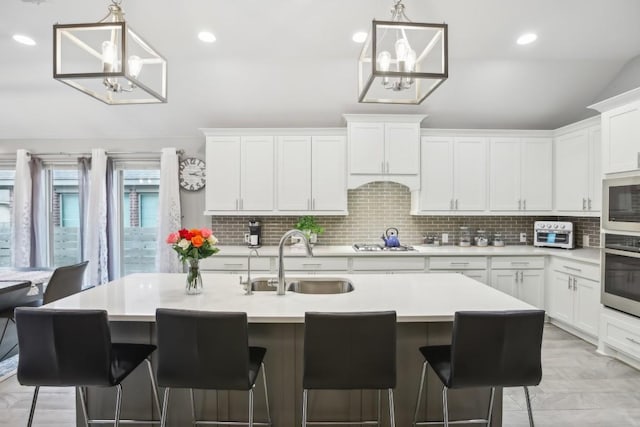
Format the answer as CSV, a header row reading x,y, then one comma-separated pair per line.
x,y
288,234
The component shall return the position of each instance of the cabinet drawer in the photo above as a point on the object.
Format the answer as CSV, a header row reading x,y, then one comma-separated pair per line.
x,y
479,275
316,263
235,264
517,262
388,264
457,263
621,334
588,271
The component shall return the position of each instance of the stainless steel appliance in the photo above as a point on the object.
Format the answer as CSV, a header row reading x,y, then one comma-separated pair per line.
x,y
621,273
374,247
553,234
255,234
621,204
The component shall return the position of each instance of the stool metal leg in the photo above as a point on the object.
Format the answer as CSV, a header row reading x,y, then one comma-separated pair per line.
x,y
392,412
305,396
379,408
251,407
493,392
33,406
165,405
193,407
82,391
266,393
154,386
526,395
422,378
445,407
116,422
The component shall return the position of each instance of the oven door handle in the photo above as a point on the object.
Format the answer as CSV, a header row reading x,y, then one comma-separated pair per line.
x,y
621,253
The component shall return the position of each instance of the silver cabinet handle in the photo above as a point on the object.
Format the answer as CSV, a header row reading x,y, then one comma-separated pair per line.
x,y
524,204
519,204
517,276
241,204
387,167
456,204
458,263
569,283
519,262
584,203
575,287
451,204
571,268
309,204
633,341
589,203
638,159
237,204
522,277
232,265
382,166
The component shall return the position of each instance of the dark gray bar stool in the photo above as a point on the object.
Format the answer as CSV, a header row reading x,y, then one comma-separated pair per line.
x,y
349,351
208,350
488,349
73,348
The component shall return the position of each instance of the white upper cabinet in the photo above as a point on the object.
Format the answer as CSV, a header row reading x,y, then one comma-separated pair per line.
x,y
240,174
620,132
577,171
453,175
312,174
521,174
383,148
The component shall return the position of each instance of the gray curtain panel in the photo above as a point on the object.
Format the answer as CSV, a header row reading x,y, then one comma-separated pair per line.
x,y
112,231
38,252
84,166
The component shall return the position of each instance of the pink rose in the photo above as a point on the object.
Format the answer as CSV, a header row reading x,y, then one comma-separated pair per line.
x,y
173,238
205,232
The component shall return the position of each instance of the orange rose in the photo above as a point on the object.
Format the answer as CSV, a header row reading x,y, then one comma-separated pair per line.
x,y
195,232
197,241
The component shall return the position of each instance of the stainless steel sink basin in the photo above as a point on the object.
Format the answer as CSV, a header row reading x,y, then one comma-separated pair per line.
x,y
320,286
306,285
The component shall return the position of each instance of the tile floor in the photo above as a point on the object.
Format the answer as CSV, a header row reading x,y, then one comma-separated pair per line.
x,y
579,388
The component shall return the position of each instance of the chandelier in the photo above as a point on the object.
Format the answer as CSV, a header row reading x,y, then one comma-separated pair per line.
x,y
109,61
402,62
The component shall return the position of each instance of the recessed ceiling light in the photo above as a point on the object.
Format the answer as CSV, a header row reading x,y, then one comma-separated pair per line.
x,y
24,39
527,38
359,37
206,36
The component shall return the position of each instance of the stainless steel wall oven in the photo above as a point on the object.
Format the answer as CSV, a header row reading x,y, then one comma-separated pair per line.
x,y
621,273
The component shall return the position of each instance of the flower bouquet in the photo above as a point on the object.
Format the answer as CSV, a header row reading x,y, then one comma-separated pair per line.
x,y
193,245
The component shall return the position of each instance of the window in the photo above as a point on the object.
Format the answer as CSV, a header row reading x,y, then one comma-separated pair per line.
x,y
139,219
7,178
65,216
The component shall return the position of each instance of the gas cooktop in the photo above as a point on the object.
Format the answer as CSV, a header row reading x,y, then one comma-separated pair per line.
x,y
374,247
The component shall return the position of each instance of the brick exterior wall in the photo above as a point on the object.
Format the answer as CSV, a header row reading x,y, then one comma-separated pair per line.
x,y
377,206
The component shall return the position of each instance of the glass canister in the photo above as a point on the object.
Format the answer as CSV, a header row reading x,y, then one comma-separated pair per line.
x,y
482,238
498,241
465,237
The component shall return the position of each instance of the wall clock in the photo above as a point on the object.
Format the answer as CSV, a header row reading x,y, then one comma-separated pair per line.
x,y
192,174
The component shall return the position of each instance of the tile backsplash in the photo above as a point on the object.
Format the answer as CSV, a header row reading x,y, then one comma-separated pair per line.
x,y
377,206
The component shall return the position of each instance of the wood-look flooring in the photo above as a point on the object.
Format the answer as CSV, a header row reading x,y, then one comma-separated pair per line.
x,y
579,388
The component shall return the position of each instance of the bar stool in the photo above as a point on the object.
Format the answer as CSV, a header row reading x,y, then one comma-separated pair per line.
x,y
73,348
349,351
488,349
207,350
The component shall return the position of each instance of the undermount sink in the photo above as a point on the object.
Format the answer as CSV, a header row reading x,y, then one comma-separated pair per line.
x,y
306,285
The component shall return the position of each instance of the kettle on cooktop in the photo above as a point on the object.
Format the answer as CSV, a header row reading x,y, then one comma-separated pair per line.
x,y
390,238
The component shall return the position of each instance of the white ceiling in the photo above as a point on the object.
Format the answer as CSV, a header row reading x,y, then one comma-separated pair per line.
x,y
292,63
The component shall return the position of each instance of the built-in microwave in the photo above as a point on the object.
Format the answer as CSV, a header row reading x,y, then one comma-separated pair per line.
x,y
621,204
621,273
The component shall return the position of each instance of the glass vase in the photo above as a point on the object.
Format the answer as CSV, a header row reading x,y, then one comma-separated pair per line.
x,y
194,278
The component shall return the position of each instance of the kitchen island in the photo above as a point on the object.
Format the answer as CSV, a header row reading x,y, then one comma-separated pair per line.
x,y
425,305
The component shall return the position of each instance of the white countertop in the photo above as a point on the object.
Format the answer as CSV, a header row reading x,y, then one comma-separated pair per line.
x,y
591,255
415,297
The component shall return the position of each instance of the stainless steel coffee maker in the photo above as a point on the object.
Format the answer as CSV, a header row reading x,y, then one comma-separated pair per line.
x,y
254,238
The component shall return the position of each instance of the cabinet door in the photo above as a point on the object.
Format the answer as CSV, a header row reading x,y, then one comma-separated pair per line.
x,y
402,148
366,148
622,127
560,297
537,174
572,171
595,161
329,173
223,173
505,175
479,275
257,173
294,173
505,281
436,185
470,174
531,286
587,305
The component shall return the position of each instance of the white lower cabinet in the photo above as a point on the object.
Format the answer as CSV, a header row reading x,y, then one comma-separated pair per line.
x,y
315,264
575,301
473,267
620,332
526,285
235,265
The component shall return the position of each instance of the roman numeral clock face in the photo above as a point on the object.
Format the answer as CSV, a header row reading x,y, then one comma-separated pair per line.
x,y
192,174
